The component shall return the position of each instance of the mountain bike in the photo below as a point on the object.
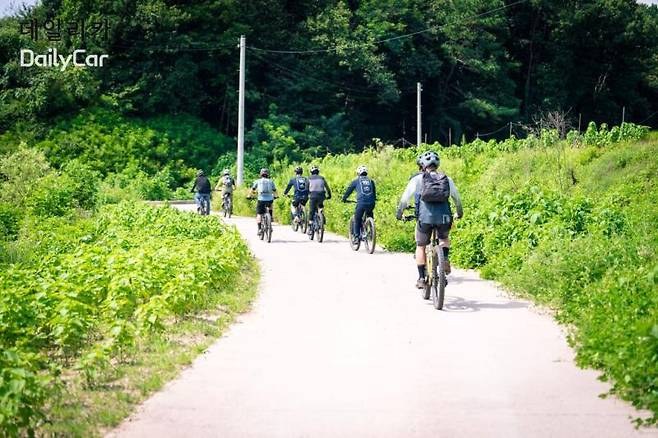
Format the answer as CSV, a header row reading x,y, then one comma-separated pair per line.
x,y
298,219
227,205
435,285
368,233
265,230
317,225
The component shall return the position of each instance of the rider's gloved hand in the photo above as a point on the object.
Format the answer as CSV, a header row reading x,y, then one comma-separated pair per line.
x,y
398,214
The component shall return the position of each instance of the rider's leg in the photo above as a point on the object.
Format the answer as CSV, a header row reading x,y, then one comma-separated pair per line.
x,y
206,199
422,240
444,243
313,206
260,209
197,200
358,219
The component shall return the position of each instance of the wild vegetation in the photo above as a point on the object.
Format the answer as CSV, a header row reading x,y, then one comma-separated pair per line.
x,y
85,285
569,223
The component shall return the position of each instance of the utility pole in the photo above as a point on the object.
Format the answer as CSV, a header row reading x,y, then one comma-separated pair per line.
x,y
240,163
510,129
623,116
580,118
419,127
450,136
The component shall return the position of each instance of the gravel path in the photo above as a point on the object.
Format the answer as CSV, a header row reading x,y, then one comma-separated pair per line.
x,y
340,344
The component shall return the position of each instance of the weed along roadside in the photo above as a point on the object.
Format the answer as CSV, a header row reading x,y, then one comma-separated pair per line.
x,y
105,310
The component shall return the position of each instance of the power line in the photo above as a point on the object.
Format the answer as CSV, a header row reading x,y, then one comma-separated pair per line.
x,y
298,73
432,28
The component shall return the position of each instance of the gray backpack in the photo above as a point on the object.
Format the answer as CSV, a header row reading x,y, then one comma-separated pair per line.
x,y
436,187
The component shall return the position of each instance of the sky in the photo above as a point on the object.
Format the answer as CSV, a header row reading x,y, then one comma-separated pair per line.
x,y
7,6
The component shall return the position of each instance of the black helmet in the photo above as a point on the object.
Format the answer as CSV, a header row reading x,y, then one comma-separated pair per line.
x,y
264,173
315,170
299,170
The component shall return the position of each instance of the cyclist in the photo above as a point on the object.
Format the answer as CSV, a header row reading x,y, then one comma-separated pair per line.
x,y
266,190
300,196
435,189
226,185
318,191
366,197
202,188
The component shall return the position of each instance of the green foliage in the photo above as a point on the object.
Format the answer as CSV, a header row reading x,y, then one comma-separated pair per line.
x,y
93,286
53,196
10,217
568,223
107,142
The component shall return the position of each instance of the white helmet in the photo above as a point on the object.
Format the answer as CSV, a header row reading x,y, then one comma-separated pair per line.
x,y
361,170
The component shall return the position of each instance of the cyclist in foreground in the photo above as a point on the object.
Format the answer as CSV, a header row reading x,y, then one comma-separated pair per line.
x,y
300,195
266,190
318,191
435,189
226,185
366,197
202,189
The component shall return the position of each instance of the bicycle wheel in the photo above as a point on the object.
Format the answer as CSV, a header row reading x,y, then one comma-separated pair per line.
x,y
303,221
370,234
430,263
313,225
439,283
294,224
354,245
268,227
320,229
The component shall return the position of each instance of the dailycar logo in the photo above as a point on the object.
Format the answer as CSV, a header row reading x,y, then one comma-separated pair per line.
x,y
52,58
57,30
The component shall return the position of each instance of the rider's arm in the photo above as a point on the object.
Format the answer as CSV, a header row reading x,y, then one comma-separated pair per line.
x,y
326,187
291,183
412,188
454,194
349,190
194,185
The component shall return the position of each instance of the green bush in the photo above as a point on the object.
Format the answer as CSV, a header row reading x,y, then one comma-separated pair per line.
x,y
54,196
93,286
10,217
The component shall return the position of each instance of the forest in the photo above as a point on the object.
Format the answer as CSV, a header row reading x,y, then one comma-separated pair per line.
x,y
329,76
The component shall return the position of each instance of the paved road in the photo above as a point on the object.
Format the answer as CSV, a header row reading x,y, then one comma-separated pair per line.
x,y
340,344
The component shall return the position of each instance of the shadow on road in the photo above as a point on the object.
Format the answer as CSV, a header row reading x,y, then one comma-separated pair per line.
x,y
459,304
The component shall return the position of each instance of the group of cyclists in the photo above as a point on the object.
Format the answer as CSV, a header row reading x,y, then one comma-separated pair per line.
x,y
430,188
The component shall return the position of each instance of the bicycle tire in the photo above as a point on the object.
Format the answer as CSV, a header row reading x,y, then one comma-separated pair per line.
x,y
430,262
230,207
303,220
357,245
312,224
320,227
261,232
370,234
268,227
439,283
294,225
